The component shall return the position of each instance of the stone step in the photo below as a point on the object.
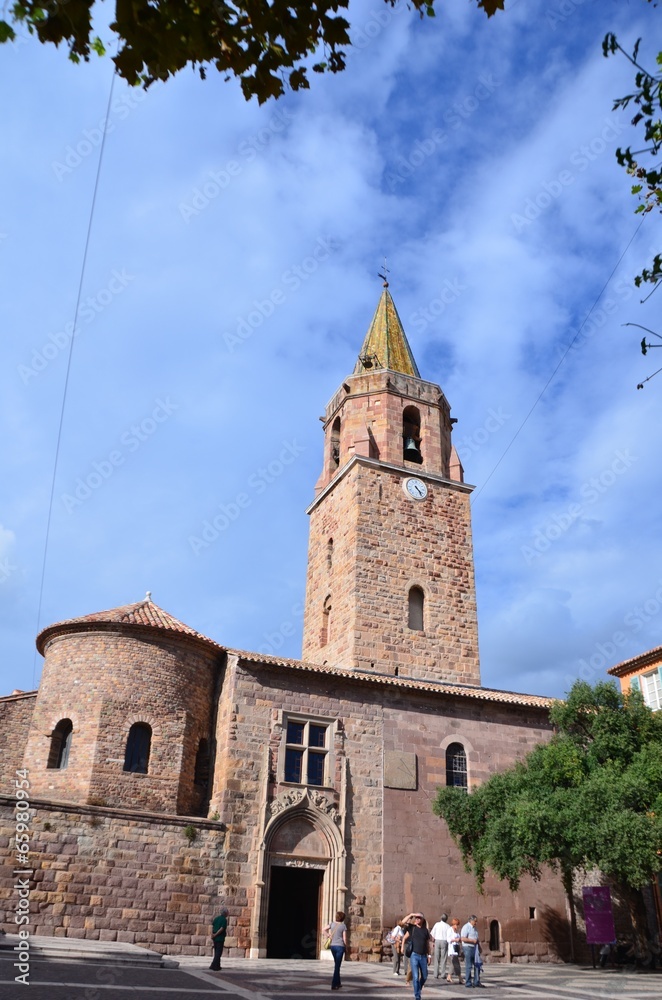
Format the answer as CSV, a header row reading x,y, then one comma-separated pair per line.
x,y
82,950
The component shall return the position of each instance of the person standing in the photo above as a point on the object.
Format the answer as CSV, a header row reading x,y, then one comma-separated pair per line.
x,y
337,930
478,966
219,929
395,938
469,937
440,932
455,950
421,944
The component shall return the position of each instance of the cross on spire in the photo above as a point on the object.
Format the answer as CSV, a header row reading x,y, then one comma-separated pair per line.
x,y
386,271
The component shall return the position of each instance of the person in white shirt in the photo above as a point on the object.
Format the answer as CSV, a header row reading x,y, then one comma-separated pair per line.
x,y
454,952
440,932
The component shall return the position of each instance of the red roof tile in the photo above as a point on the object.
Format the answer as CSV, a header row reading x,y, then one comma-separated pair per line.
x,y
408,683
146,613
652,656
143,612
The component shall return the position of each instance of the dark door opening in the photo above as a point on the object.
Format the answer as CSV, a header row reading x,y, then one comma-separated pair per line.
x,y
294,912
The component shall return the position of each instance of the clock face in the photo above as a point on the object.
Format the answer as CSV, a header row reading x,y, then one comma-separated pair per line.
x,y
416,489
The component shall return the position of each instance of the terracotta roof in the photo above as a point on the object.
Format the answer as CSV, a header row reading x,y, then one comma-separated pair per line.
x,y
19,695
144,613
387,341
636,662
407,683
147,614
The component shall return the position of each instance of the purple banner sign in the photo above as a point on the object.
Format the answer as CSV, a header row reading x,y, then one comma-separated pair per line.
x,y
598,915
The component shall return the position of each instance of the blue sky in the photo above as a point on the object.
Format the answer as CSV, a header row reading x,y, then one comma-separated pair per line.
x,y
230,279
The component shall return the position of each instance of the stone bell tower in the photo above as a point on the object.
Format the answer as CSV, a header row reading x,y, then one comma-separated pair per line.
x,y
390,585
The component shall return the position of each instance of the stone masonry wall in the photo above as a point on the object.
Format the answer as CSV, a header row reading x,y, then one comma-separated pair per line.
x,y
371,422
15,718
399,855
105,680
383,544
114,875
259,696
423,867
332,573
402,543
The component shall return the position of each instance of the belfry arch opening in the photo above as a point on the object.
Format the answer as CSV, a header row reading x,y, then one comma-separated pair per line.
x,y
411,435
335,443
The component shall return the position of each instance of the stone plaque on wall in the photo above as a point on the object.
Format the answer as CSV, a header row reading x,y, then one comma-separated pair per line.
x,y
399,769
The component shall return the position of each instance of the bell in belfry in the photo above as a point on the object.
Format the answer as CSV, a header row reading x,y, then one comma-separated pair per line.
x,y
411,452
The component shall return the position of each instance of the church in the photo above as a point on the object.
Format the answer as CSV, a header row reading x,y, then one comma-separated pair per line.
x,y
168,775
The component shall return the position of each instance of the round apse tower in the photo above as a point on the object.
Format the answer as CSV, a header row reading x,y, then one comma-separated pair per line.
x,y
124,712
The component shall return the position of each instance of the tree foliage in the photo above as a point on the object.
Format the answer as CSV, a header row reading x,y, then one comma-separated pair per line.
x,y
590,798
267,44
646,98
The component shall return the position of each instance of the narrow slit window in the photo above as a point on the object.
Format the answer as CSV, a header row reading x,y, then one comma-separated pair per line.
x,y
416,609
325,630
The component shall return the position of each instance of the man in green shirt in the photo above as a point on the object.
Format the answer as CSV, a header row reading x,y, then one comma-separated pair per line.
x,y
218,931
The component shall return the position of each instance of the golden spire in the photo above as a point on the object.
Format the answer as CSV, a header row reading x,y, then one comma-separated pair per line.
x,y
386,345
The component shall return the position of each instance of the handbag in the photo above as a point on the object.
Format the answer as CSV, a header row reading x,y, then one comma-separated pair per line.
x,y
327,943
409,947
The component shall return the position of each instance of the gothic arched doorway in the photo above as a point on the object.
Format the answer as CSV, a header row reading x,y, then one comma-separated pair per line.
x,y
294,920
301,883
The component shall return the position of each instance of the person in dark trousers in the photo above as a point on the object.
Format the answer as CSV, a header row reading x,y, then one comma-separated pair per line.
x,y
219,929
421,942
337,931
470,945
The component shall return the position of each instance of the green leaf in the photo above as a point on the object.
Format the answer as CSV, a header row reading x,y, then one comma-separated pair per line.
x,y
7,33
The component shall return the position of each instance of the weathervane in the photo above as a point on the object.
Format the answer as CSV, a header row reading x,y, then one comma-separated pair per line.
x,y
383,276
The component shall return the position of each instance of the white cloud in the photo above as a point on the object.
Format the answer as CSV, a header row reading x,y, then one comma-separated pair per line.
x,y
490,305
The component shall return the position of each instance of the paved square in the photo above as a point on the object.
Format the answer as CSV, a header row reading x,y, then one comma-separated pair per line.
x,y
52,979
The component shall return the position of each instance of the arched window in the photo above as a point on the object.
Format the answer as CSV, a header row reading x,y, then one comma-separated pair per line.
x,y
416,608
138,744
326,621
335,443
201,774
58,755
495,936
329,554
456,766
411,435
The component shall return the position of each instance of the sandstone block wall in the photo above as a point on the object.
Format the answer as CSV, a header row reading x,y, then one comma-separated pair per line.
x,y
332,552
111,875
370,408
383,544
247,746
15,718
423,868
104,681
